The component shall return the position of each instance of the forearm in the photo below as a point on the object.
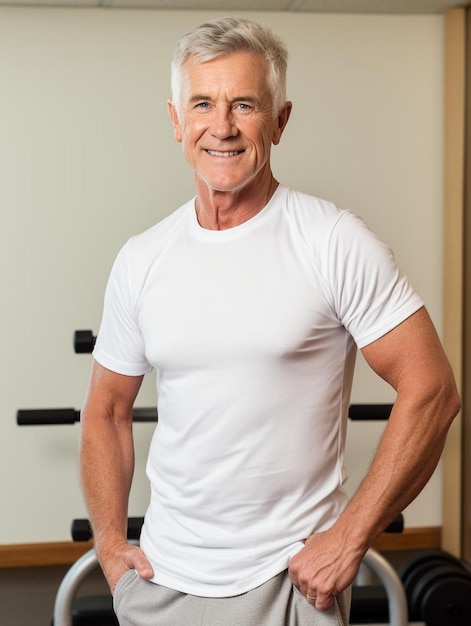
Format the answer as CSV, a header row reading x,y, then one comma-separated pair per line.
x,y
107,465
107,453
406,458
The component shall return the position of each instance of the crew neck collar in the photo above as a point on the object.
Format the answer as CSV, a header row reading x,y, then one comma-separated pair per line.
x,y
236,231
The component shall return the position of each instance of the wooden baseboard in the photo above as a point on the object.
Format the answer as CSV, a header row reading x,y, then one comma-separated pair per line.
x,y
67,552
423,538
37,554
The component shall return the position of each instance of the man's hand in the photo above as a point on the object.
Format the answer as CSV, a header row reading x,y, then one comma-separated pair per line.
x,y
128,557
324,568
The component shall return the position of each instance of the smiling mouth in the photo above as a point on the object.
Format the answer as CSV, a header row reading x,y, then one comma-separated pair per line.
x,y
224,154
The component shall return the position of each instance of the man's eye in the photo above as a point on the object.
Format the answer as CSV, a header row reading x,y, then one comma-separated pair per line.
x,y
242,106
202,105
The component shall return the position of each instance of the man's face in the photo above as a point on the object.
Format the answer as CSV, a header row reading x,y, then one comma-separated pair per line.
x,y
226,122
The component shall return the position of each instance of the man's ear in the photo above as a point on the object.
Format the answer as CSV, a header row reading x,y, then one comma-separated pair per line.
x,y
282,120
172,111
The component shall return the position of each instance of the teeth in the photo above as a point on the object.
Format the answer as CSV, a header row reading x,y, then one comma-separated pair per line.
x,y
223,154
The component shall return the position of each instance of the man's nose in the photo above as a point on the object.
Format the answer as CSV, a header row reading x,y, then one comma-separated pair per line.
x,y
223,124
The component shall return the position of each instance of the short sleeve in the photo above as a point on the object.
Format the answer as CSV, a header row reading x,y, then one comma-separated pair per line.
x,y
371,294
119,345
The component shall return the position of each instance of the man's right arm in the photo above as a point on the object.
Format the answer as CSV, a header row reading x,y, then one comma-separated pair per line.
x,y
107,465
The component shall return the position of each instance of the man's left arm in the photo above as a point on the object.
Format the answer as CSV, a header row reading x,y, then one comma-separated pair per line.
x,y
412,360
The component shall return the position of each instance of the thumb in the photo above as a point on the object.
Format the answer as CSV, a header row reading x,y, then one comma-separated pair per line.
x,y
136,559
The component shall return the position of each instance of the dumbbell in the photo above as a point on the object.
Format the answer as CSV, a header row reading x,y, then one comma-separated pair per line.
x,y
438,589
447,600
420,564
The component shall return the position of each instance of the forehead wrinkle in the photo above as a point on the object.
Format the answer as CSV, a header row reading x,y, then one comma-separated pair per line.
x,y
217,67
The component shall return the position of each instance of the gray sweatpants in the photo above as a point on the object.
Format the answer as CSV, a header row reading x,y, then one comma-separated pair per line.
x,y
138,602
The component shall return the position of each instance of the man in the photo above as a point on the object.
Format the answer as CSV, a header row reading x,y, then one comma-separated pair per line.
x,y
250,301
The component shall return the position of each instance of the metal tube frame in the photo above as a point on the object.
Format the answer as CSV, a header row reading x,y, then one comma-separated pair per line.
x,y
397,600
69,586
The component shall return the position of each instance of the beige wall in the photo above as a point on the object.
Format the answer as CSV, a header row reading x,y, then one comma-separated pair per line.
x,y
87,158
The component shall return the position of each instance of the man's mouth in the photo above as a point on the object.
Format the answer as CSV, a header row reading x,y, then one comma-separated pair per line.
x,y
224,154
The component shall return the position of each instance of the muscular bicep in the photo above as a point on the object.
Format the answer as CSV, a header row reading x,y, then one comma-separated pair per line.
x,y
409,354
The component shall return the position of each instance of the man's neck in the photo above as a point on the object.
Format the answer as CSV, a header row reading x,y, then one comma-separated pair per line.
x,y
217,210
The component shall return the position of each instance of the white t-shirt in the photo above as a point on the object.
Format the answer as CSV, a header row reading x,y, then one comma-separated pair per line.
x,y
253,333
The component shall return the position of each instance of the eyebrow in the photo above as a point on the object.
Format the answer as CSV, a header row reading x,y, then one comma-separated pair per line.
x,y
202,97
